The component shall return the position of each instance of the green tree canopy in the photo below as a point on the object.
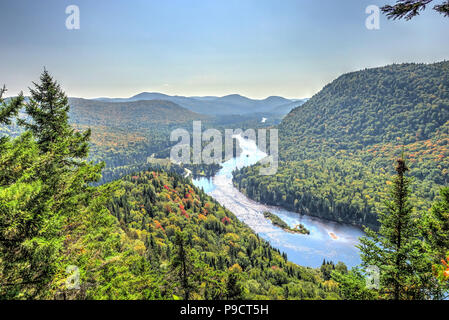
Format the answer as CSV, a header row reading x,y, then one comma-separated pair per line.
x,y
397,250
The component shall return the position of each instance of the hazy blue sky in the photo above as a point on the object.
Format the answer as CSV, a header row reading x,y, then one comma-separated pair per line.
x,y
256,48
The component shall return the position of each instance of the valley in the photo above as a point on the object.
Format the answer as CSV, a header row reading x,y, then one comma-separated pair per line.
x,y
303,249
221,158
220,231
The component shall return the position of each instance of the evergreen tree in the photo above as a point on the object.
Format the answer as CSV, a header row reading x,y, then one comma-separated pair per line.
x,y
397,250
10,109
28,231
44,185
436,234
182,265
66,174
352,285
437,226
48,107
234,286
409,9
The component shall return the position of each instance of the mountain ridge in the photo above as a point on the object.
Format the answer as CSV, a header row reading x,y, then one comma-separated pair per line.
x,y
211,105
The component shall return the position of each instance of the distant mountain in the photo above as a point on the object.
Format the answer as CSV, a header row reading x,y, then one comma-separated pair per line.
x,y
150,96
236,99
130,113
276,101
286,108
227,105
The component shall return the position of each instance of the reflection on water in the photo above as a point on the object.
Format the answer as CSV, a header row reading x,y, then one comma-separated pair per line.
x,y
206,183
327,240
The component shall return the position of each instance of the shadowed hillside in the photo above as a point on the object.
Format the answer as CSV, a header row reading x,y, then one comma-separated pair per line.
x,y
338,149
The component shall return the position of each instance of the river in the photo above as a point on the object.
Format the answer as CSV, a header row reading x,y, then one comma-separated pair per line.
x,y
327,240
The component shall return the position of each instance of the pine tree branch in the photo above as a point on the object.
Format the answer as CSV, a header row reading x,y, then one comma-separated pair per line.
x,y
408,9
443,8
10,109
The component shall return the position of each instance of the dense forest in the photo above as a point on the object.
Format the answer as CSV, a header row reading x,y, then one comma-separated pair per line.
x,y
162,211
124,134
93,205
337,150
151,235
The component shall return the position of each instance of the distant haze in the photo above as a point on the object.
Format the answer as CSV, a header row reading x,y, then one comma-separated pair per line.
x,y
230,104
258,48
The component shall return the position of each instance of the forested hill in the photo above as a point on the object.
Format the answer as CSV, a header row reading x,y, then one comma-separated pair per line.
x,y
150,235
337,150
178,228
406,101
134,113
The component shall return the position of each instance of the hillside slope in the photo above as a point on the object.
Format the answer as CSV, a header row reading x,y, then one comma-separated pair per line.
x,y
337,150
134,113
224,258
286,108
407,101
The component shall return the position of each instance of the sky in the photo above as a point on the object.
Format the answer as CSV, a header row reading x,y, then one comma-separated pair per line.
x,y
256,48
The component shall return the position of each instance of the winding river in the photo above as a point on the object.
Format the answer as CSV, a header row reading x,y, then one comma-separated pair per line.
x,y
327,240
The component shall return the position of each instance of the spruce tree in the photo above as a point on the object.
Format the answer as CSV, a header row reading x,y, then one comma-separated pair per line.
x,y
66,173
182,265
28,231
45,184
397,250
48,108
234,287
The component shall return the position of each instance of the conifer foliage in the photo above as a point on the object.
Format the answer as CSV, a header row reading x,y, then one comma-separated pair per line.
x,y
397,250
408,9
151,235
44,184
